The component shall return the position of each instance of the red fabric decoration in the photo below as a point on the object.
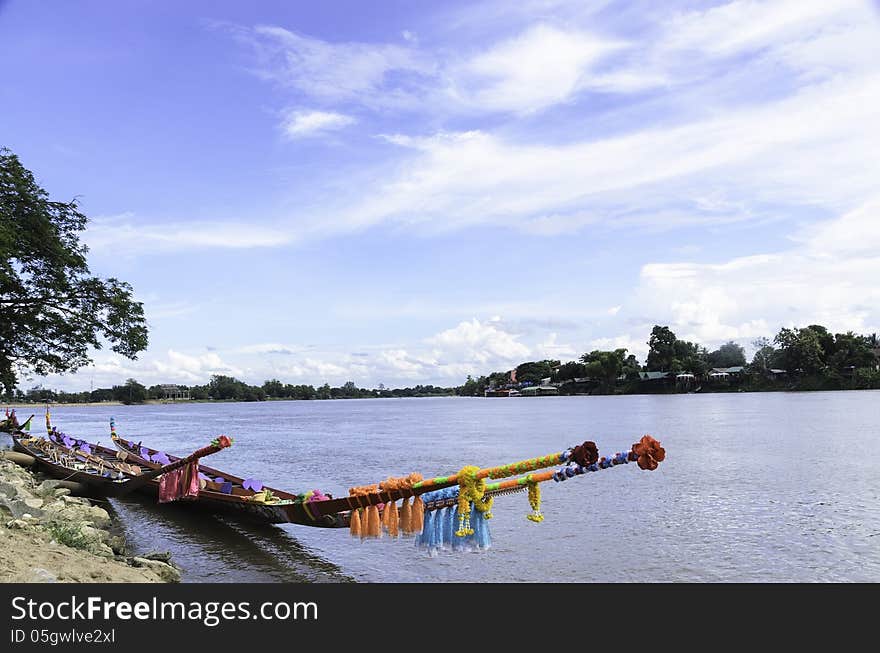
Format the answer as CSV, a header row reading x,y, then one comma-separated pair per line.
x,y
179,483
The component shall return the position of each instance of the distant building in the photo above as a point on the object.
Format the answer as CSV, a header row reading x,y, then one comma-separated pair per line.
x,y
539,391
736,369
653,376
174,392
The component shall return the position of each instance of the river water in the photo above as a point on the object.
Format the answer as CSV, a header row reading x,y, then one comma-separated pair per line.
x,y
769,487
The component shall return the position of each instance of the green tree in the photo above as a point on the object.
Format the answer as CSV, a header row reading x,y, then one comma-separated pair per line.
x,y
199,392
605,366
273,388
661,349
350,390
534,371
570,371
765,355
800,350
471,388
851,350
826,341
52,310
631,367
729,354
131,392
225,387
324,392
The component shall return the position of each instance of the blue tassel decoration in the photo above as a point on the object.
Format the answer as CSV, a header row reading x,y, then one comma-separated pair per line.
x,y
480,524
440,526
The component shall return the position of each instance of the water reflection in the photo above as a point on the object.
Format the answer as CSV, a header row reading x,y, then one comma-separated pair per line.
x,y
212,548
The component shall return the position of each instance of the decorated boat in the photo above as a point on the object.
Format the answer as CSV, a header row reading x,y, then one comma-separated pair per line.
x,y
9,423
107,472
228,493
443,511
98,468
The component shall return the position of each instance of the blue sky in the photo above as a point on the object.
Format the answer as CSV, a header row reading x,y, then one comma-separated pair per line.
x,y
403,192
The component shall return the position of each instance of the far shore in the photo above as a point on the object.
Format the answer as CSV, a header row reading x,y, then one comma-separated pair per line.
x,y
39,407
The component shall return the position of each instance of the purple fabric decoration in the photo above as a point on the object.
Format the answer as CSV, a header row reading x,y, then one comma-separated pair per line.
x,y
143,453
160,458
219,479
252,484
67,442
226,488
203,477
84,446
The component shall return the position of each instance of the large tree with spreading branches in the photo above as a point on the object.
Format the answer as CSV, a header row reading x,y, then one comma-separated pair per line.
x,y
53,311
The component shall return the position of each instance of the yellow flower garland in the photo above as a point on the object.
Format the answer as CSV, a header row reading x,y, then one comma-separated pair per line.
x,y
471,490
535,502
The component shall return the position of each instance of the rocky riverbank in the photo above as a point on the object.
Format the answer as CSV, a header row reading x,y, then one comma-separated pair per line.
x,y
47,535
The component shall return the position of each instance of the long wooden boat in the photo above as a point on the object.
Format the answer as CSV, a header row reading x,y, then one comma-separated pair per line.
x,y
109,473
222,490
98,468
437,504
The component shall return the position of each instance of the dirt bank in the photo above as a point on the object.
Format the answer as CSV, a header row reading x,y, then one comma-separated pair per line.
x,y
46,535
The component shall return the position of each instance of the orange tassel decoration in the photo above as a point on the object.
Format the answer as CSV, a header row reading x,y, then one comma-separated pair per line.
x,y
374,525
393,518
418,515
386,515
355,527
406,517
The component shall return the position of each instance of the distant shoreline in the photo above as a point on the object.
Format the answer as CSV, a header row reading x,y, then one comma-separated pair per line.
x,y
181,402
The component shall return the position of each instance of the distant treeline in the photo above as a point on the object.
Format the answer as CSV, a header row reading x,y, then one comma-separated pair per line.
x,y
220,387
808,358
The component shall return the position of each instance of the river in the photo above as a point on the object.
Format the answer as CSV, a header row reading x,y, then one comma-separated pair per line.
x,y
756,487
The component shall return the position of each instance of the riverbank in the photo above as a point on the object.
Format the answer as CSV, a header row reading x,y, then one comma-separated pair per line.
x,y
50,536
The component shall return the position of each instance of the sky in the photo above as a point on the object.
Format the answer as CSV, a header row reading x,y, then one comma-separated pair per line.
x,y
402,193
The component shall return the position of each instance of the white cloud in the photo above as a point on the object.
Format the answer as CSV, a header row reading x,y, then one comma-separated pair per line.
x,y
479,343
536,69
633,344
780,153
300,124
551,349
334,72
828,278
130,234
744,25
193,369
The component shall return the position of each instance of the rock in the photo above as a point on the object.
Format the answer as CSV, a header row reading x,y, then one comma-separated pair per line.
x,y
98,515
40,575
165,571
161,556
23,505
61,492
52,486
117,544
36,503
18,524
79,501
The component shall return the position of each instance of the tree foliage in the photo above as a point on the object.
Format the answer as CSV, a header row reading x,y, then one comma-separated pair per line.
x,y
52,310
605,366
666,353
729,354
